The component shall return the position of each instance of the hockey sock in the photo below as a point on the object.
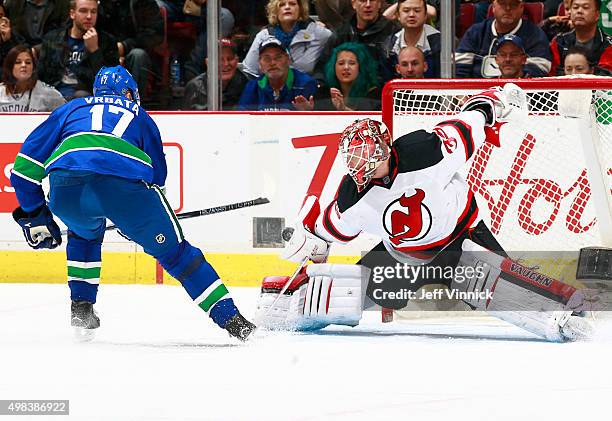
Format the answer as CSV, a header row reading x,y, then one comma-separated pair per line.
x,y
188,265
84,265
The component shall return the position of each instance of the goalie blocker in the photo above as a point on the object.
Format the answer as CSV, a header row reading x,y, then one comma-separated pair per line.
x,y
325,294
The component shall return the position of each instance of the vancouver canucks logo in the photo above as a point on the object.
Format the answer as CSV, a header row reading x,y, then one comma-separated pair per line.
x,y
407,218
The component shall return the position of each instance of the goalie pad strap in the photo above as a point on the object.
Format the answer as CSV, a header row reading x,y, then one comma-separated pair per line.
x,y
335,270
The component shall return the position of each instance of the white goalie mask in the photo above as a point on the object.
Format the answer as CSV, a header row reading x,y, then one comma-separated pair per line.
x,y
364,145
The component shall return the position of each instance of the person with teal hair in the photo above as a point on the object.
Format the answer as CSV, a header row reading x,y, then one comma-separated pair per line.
x,y
352,79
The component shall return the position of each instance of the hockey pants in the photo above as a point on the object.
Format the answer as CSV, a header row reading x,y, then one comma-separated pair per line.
x,y
446,259
84,200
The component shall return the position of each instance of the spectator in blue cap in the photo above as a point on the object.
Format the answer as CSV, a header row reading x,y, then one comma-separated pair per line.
x,y
510,57
280,87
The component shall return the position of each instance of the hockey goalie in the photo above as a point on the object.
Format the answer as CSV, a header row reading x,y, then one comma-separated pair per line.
x,y
409,193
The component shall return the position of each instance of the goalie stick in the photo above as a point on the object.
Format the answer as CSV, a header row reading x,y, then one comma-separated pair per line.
x,y
286,286
286,235
208,211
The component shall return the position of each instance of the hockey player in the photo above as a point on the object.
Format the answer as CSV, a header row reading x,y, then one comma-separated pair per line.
x,y
104,158
410,194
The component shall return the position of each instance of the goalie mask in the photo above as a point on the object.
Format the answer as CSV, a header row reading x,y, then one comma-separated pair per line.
x,y
364,145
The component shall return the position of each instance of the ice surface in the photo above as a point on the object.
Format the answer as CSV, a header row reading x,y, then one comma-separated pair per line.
x,y
158,357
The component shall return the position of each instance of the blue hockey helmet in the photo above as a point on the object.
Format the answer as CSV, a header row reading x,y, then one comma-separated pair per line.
x,y
115,81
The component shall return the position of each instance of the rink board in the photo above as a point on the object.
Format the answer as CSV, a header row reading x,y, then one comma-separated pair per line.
x,y
223,158
213,159
139,268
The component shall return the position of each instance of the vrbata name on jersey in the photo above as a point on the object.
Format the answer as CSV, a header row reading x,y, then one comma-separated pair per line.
x,y
114,100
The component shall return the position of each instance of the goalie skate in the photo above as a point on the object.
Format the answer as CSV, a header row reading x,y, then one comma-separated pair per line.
x,y
577,328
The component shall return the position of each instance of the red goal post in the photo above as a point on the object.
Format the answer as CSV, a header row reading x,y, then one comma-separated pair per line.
x,y
549,185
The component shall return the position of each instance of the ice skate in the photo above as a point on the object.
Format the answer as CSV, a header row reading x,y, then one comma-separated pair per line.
x,y
239,327
577,328
84,320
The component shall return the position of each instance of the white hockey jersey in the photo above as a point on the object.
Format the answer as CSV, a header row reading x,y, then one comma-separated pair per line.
x,y
423,204
42,97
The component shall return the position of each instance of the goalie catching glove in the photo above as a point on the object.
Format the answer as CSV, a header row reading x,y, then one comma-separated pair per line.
x,y
304,243
498,106
39,228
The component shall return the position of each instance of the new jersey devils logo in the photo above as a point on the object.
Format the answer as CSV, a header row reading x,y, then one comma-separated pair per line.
x,y
450,143
407,218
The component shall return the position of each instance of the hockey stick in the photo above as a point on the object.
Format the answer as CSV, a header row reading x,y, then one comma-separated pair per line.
x,y
220,209
208,211
289,281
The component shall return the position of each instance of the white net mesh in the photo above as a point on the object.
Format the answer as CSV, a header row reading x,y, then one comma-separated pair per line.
x,y
535,191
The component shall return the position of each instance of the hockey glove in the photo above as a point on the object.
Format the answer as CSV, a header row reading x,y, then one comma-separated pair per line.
x,y
39,228
498,106
304,243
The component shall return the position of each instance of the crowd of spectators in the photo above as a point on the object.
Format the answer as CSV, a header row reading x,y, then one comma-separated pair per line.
x,y
282,54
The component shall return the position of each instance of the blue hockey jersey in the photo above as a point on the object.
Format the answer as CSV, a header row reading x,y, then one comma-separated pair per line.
x,y
101,134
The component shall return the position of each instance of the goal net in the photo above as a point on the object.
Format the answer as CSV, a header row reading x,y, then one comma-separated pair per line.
x,y
549,186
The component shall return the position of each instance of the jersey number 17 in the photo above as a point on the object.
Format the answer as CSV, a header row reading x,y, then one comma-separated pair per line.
x,y
97,117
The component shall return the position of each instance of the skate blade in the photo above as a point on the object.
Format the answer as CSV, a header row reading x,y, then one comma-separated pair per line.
x,y
84,335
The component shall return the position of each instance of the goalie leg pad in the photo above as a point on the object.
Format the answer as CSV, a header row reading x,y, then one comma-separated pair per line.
x,y
322,295
520,296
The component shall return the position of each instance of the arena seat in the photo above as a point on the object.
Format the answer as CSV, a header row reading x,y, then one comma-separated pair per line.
x,y
467,14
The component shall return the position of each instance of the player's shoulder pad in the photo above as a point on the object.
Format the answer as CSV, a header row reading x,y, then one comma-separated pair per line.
x,y
347,194
417,150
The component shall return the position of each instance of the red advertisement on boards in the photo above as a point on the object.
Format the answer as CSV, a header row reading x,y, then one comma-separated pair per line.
x,y
8,199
